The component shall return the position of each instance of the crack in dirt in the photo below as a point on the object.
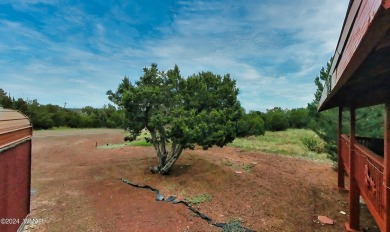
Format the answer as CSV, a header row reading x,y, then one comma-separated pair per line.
x,y
227,227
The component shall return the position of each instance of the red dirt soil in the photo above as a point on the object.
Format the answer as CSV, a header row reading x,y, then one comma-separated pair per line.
x,y
76,187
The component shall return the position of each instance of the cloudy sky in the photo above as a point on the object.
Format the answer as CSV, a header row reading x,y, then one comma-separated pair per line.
x,y
74,51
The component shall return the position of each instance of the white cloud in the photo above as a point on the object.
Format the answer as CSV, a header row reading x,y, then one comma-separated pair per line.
x,y
274,49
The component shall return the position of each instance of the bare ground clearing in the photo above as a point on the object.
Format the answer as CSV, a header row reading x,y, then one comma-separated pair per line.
x,y
76,187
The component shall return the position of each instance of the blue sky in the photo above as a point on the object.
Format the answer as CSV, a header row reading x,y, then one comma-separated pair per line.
x,y
74,51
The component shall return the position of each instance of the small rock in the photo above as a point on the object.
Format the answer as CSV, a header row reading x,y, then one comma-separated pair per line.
x,y
159,197
254,163
343,212
238,172
325,220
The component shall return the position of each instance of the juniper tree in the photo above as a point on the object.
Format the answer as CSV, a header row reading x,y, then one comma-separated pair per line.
x,y
178,112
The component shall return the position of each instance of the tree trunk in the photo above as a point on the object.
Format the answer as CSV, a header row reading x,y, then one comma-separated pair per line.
x,y
165,162
165,159
175,154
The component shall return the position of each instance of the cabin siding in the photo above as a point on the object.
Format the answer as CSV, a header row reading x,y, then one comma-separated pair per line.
x,y
15,169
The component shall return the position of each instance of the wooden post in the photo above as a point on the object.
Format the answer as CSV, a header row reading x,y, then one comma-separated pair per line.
x,y
386,174
340,167
354,194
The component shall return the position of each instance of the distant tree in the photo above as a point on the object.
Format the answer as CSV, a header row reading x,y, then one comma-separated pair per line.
x,y
256,123
322,82
20,105
89,110
40,117
90,117
202,109
73,119
325,123
48,116
58,114
370,121
298,118
250,124
276,119
115,117
5,101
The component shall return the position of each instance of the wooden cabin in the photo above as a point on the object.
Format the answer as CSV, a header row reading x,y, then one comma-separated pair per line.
x,y
15,169
360,77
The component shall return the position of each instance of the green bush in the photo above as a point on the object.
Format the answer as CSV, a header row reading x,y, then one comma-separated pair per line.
x,y
313,143
298,118
276,119
250,124
233,226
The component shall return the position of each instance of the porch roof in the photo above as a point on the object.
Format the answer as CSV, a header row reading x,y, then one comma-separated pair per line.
x,y
360,71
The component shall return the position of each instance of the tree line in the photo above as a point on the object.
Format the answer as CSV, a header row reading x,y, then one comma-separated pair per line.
x,y
49,116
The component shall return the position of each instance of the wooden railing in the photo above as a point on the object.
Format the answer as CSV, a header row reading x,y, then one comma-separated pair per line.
x,y
345,152
369,176
374,144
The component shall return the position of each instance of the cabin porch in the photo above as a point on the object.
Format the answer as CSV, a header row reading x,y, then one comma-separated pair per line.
x,y
358,78
369,170
367,164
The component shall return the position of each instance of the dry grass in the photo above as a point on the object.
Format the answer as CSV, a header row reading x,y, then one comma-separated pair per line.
x,y
289,142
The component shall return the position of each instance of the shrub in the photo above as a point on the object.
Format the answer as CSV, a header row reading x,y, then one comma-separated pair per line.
x,y
276,119
250,124
233,226
313,143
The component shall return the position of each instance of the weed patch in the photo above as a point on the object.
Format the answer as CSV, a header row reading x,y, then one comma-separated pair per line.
x,y
313,143
247,167
227,163
292,142
195,200
112,146
137,143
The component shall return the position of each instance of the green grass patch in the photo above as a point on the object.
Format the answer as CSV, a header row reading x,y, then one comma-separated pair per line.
x,y
247,167
137,143
195,200
140,140
293,142
234,226
113,146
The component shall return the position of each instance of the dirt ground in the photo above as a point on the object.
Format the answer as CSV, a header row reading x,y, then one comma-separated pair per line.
x,y
76,187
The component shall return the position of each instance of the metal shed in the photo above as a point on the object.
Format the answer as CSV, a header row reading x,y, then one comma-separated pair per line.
x,y
15,168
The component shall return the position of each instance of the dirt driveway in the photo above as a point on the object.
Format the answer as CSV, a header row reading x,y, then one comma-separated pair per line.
x,y
76,187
